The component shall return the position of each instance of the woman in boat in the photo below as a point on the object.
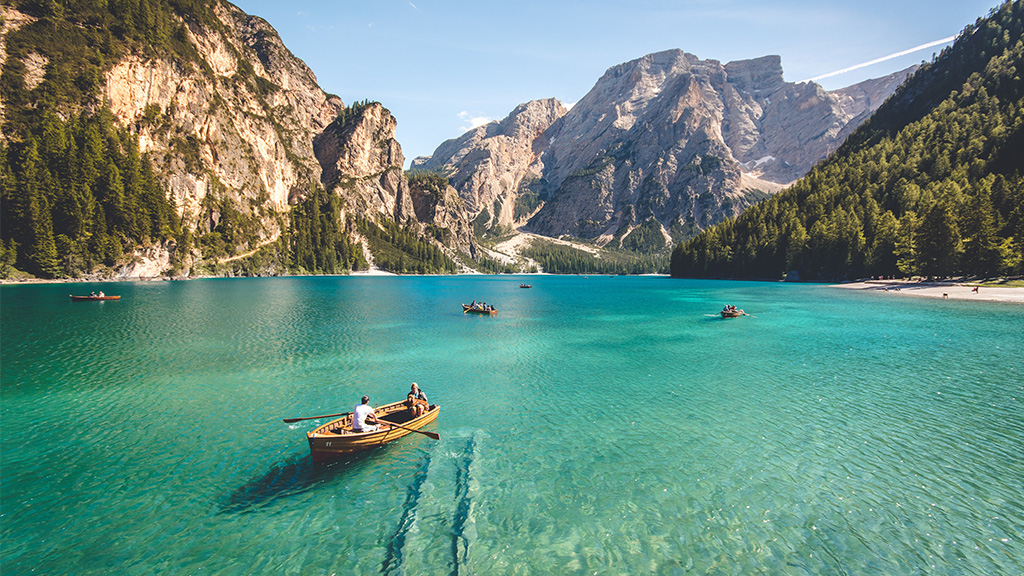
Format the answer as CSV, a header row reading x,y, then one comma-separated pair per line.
x,y
362,414
419,400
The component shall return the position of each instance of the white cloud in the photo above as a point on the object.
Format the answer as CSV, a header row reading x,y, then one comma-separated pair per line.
x,y
474,121
414,6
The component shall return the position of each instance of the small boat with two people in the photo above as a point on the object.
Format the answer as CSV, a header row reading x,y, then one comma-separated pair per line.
x,y
337,438
479,308
526,285
93,296
731,311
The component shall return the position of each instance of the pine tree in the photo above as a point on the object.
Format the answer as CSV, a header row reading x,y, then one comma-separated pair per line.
x,y
906,244
938,241
982,255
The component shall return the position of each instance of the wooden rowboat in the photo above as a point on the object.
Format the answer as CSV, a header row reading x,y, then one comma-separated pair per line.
x,y
526,285
478,310
735,313
84,298
336,438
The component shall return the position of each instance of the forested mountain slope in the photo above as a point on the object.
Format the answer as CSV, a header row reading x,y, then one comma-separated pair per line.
x,y
932,184
176,137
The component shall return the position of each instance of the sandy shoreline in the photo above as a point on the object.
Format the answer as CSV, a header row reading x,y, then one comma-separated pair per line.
x,y
947,290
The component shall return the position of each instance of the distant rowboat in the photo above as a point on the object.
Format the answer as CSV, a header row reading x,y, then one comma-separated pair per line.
x,y
732,313
526,285
336,438
477,309
84,298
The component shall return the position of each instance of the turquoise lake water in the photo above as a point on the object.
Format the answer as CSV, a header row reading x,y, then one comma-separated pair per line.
x,y
601,425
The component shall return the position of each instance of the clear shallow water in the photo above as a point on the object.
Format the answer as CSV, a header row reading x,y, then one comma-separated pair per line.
x,y
595,425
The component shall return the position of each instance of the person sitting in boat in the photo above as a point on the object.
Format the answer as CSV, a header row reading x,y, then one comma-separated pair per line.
x,y
419,400
92,294
362,414
410,405
101,294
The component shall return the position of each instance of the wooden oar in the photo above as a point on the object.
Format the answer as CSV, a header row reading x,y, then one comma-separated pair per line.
x,y
290,420
433,435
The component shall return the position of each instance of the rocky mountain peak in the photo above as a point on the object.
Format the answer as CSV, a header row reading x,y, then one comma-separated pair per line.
x,y
360,155
759,77
668,139
489,164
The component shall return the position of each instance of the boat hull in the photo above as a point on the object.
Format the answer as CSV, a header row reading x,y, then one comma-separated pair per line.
x,y
85,298
335,439
471,310
732,314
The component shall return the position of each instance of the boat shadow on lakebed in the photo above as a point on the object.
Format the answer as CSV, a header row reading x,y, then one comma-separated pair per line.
x,y
292,477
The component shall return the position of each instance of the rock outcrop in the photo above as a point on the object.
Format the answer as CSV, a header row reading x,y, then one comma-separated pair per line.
x,y
363,162
489,164
444,212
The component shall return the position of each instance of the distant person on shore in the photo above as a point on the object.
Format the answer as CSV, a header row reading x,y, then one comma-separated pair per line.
x,y
362,414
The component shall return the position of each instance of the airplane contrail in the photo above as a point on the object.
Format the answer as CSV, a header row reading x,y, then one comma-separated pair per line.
x,y
882,59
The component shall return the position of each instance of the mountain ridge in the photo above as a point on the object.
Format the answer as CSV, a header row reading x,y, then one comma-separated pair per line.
x,y
633,149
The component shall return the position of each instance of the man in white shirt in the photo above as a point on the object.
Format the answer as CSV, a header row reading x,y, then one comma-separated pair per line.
x,y
363,413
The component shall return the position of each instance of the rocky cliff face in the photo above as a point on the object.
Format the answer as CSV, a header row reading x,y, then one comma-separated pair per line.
x,y
237,126
362,161
489,164
668,140
445,211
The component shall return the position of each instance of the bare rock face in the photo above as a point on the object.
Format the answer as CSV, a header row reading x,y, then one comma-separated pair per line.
x,y
490,163
667,140
240,130
363,162
444,213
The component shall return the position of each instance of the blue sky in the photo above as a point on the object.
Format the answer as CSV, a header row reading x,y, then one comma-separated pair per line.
x,y
443,66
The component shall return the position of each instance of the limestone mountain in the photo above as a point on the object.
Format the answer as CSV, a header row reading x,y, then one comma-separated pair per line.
x,y
234,126
231,127
493,164
668,143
